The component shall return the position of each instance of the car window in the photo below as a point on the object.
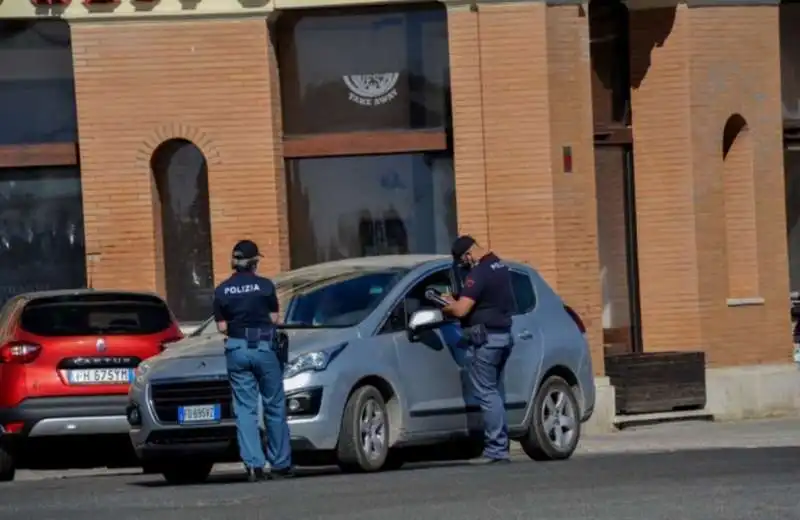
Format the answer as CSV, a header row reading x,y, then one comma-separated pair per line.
x,y
342,303
415,300
524,293
89,315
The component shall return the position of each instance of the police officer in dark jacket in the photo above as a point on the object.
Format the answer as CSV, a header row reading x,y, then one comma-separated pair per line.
x,y
246,310
485,307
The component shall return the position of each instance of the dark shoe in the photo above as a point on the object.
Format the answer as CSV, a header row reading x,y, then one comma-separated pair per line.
x,y
282,473
256,475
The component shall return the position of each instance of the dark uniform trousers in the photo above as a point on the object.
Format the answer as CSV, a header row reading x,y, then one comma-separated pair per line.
x,y
485,368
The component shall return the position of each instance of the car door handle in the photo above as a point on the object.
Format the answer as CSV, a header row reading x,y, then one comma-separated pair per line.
x,y
525,334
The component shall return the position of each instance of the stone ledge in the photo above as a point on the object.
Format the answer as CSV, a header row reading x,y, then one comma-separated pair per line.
x,y
753,392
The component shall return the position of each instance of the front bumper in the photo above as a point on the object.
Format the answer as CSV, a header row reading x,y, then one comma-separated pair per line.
x,y
68,416
319,431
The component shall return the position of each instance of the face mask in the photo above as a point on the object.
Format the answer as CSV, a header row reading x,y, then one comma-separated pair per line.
x,y
467,263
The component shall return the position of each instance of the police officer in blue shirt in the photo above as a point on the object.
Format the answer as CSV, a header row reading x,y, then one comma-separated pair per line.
x,y
246,310
485,307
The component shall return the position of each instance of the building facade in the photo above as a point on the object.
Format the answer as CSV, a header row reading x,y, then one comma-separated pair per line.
x,y
644,156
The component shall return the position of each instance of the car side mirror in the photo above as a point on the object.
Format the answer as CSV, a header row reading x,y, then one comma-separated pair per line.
x,y
426,319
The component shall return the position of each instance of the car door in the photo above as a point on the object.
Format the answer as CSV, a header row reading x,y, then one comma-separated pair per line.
x,y
428,366
525,362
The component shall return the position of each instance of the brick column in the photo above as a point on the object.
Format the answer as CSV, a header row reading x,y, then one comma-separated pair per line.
x,y
521,93
693,68
139,84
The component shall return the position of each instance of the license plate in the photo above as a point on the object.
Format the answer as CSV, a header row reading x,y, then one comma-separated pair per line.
x,y
200,413
100,376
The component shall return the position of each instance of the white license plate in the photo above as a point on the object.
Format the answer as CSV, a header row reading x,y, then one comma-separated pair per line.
x,y
200,413
100,376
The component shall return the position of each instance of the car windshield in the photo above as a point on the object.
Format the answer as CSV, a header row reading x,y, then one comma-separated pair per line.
x,y
328,298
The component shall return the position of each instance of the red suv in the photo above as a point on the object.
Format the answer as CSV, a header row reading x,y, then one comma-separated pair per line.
x,y
67,359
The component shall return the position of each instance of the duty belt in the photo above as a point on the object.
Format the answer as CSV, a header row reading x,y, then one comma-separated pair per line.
x,y
255,335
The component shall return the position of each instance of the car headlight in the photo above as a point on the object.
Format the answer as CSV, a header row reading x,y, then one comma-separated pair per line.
x,y
312,361
141,372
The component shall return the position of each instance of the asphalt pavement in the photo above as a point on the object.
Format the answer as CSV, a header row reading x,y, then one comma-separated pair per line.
x,y
686,472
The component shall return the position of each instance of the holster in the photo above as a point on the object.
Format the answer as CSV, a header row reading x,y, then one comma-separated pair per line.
x,y
281,346
476,335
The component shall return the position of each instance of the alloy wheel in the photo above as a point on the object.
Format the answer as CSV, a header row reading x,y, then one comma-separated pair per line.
x,y
559,419
373,430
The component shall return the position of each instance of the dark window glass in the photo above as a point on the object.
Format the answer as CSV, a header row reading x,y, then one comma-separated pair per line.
x,y
181,175
341,302
111,315
344,207
41,230
523,292
791,167
371,69
37,90
790,60
610,44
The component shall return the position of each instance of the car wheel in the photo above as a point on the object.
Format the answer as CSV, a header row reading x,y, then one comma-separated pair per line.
x,y
185,472
364,435
7,467
555,427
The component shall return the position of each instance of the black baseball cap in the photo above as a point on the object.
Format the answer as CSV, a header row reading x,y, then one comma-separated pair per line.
x,y
462,245
245,250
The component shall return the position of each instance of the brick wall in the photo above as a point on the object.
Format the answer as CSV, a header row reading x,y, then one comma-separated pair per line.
x,y
139,84
522,92
694,68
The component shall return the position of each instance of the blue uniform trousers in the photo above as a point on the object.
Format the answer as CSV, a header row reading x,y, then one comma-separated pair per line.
x,y
256,373
485,366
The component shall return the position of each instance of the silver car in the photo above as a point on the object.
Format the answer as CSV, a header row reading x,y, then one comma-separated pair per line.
x,y
374,377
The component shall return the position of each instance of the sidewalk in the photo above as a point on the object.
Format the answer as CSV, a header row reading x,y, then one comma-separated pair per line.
x,y
696,435
693,435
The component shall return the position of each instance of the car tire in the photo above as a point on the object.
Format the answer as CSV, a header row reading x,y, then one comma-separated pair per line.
x,y
185,472
150,468
364,436
394,461
555,427
7,466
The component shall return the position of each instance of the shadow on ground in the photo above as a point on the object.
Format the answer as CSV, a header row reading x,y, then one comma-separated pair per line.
x,y
234,476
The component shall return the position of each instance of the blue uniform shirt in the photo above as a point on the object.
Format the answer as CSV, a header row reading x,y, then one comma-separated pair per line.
x,y
489,285
244,301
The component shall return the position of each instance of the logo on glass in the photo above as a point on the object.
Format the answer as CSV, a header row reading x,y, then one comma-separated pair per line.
x,y
101,345
371,90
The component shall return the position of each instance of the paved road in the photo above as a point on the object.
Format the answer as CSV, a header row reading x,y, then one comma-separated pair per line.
x,y
704,483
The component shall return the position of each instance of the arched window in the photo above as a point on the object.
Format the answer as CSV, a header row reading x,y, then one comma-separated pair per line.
x,y
181,177
740,209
